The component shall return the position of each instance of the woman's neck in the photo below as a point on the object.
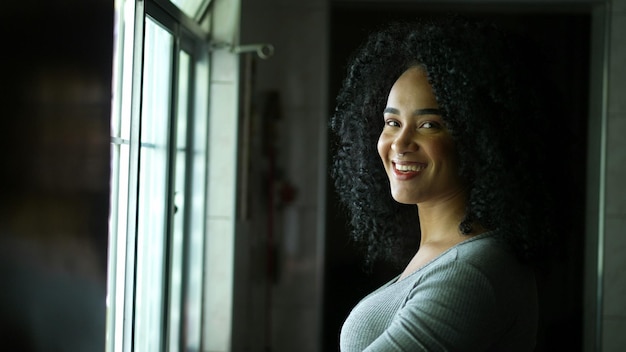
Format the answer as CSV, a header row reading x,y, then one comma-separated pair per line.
x,y
439,225
439,220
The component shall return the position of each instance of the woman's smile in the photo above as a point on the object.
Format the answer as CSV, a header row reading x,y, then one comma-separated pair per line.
x,y
407,170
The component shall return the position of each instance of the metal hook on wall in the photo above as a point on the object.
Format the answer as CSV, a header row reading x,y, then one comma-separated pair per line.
x,y
264,51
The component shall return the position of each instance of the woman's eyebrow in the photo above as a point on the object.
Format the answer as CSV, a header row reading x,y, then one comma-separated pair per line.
x,y
428,111
418,112
389,110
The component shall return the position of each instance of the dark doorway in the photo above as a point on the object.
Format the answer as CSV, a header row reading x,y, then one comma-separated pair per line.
x,y
564,36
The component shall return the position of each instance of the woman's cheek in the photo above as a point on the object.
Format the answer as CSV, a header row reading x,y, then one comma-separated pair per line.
x,y
382,147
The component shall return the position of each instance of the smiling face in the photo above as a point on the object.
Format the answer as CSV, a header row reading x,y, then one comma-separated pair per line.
x,y
416,148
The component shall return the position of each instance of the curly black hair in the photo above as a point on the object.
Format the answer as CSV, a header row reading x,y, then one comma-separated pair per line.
x,y
490,105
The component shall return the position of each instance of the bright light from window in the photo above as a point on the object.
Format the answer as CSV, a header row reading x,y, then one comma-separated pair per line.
x,y
178,233
159,284
197,228
152,201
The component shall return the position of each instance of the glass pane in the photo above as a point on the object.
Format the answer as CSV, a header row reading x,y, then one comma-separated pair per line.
x,y
152,197
179,203
190,7
194,284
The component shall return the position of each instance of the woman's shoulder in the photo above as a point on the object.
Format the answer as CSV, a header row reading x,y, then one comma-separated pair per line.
x,y
486,254
491,255
485,248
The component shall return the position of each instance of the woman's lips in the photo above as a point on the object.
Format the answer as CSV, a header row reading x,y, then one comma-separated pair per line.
x,y
407,170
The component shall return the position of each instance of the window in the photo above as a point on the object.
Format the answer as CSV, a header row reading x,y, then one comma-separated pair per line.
x,y
159,243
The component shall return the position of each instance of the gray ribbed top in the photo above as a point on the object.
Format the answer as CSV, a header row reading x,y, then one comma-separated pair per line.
x,y
475,296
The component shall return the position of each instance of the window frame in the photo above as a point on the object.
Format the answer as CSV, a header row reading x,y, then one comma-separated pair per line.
x,y
190,37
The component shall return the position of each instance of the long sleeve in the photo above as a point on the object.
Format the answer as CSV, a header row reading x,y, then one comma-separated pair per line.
x,y
474,297
453,310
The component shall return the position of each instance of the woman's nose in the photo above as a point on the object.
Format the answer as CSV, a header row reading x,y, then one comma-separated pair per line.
x,y
404,142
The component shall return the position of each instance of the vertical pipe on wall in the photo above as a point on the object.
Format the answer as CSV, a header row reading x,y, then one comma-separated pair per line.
x,y
596,177
602,184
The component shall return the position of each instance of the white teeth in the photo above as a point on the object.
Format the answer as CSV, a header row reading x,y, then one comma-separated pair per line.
x,y
412,167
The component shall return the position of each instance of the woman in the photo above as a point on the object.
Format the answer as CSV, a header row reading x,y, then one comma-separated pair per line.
x,y
451,113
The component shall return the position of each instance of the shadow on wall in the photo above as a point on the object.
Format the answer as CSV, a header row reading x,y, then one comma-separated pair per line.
x,y
54,184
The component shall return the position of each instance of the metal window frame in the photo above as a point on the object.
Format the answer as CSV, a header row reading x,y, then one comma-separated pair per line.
x,y
190,37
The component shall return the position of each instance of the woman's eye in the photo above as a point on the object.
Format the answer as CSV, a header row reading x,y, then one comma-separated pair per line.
x,y
429,125
392,123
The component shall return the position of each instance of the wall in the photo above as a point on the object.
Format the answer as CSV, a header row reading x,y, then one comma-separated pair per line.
x,y
281,228
222,183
